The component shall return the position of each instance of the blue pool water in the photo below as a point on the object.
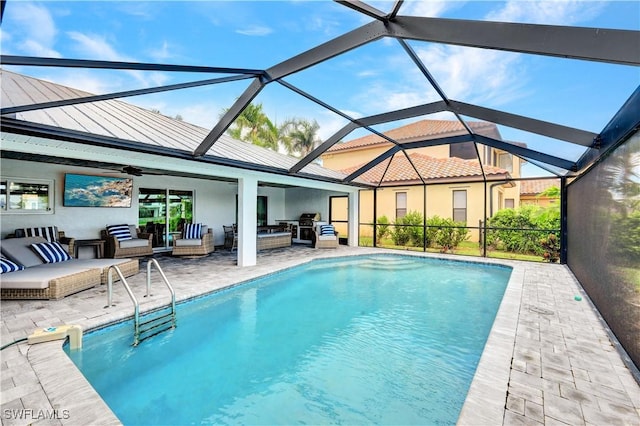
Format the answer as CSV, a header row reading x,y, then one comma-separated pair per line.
x,y
382,339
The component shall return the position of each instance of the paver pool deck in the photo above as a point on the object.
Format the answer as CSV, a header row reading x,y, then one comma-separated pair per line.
x,y
549,358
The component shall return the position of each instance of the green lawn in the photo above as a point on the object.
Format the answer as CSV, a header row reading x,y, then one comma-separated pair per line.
x,y
466,248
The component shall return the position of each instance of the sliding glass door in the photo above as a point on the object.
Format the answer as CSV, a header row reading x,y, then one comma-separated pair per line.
x,y
163,212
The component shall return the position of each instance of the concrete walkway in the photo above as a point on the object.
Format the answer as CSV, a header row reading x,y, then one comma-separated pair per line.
x,y
548,360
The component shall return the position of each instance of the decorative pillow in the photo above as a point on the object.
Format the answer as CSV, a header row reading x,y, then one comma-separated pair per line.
x,y
50,233
192,230
51,252
121,232
327,230
7,265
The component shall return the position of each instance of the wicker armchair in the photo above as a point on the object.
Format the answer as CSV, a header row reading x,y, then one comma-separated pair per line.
x,y
325,236
194,247
140,244
51,234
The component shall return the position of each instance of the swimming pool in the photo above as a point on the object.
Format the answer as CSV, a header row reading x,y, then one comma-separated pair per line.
x,y
372,339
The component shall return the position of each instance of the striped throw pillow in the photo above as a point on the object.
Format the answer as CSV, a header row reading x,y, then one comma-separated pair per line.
x,y
49,233
121,232
7,265
51,252
327,230
192,231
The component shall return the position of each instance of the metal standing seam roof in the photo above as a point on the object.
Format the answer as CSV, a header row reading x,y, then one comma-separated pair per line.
x,y
121,120
398,170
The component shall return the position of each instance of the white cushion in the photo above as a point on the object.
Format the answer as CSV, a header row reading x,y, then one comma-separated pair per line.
x,y
327,237
19,250
134,242
188,242
39,276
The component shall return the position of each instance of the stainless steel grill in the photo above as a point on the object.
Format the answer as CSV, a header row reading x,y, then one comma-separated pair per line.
x,y
308,219
306,222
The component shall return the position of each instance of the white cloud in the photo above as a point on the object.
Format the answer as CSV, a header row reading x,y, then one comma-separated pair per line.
x,y
37,31
162,53
96,47
36,49
474,75
255,30
430,9
567,12
83,80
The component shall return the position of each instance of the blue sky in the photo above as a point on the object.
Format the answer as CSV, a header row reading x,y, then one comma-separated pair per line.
x,y
373,79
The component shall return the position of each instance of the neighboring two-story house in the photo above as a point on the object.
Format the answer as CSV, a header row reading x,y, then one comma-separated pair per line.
x,y
443,180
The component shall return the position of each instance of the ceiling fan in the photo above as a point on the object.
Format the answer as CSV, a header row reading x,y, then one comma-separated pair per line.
x,y
134,171
131,170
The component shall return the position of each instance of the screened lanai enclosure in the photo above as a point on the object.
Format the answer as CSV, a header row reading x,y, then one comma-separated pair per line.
x,y
535,154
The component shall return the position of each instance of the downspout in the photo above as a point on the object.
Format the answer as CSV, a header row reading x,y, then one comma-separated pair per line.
x,y
491,194
484,223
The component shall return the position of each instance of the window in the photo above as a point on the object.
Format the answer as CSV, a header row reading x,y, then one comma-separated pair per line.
x,y
401,204
26,195
262,210
509,203
464,150
460,206
504,160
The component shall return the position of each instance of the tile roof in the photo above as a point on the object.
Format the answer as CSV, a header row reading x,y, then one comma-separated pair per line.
x,y
533,187
401,171
423,129
125,121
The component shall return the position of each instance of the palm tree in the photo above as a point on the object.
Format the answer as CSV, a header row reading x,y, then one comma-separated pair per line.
x,y
253,126
299,136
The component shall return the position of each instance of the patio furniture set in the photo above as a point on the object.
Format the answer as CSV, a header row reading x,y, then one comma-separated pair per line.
x,y
43,263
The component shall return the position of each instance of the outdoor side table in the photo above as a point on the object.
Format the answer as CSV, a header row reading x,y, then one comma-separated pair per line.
x,y
97,244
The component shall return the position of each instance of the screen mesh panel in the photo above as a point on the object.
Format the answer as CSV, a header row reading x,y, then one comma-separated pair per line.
x,y
604,240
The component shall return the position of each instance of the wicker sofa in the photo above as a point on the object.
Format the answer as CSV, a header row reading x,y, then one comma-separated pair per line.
x,y
40,280
140,244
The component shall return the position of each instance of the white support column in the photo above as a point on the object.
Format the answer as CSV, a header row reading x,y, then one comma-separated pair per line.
x,y
247,222
354,219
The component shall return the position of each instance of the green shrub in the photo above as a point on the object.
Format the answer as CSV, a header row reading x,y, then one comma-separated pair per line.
x,y
382,229
450,235
526,217
551,247
433,224
407,230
